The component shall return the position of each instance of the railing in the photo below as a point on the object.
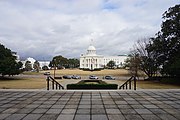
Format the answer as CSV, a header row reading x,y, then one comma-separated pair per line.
x,y
128,83
55,84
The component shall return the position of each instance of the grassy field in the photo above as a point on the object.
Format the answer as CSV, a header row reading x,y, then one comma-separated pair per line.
x,y
23,83
155,85
32,80
117,72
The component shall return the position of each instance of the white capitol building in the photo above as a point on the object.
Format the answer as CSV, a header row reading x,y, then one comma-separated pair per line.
x,y
92,61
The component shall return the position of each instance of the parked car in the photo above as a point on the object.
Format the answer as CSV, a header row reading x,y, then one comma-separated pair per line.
x,y
47,73
108,77
75,77
58,77
67,76
93,77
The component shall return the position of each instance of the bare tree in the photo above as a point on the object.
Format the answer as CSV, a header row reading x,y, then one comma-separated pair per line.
x,y
36,66
143,57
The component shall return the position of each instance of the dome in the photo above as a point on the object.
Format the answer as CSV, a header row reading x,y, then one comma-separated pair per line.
x,y
91,48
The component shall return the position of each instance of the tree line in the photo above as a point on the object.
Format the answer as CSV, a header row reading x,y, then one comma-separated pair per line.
x,y
61,62
159,55
32,66
9,65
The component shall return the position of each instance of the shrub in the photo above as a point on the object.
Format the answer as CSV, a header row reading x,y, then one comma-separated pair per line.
x,y
98,81
96,69
45,67
101,85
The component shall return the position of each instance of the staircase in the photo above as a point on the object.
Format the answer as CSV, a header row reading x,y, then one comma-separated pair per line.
x,y
55,85
129,84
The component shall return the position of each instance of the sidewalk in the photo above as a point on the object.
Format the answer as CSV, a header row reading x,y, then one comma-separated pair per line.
x,y
90,105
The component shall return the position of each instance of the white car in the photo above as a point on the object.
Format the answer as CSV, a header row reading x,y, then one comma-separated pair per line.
x,y
93,77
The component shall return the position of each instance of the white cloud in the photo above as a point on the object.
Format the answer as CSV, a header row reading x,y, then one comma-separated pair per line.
x,y
42,29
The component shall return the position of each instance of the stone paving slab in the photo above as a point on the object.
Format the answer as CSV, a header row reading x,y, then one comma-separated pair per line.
x,y
90,105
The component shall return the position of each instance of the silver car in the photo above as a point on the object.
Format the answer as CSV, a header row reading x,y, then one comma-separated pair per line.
x,y
75,77
93,77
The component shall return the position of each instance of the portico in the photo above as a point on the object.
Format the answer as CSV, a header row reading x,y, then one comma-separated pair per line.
x,y
92,61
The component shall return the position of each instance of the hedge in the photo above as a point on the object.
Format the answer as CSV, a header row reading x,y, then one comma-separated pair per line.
x,y
57,77
98,81
92,86
96,69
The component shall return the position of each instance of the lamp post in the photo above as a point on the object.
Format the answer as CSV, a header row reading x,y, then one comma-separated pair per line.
x,y
54,62
54,71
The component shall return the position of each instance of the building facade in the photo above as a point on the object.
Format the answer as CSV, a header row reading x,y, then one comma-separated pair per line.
x,y
92,61
32,60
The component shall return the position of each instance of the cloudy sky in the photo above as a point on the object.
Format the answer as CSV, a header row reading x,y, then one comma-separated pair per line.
x,y
44,28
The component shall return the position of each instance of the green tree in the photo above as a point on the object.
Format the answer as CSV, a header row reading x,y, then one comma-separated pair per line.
x,y
50,64
8,63
166,44
73,63
59,62
45,67
174,69
36,66
111,64
28,66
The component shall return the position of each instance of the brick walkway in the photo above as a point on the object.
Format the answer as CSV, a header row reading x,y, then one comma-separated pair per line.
x,y
90,105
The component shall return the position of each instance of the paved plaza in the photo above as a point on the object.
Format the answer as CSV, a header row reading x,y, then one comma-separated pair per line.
x,y
89,105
